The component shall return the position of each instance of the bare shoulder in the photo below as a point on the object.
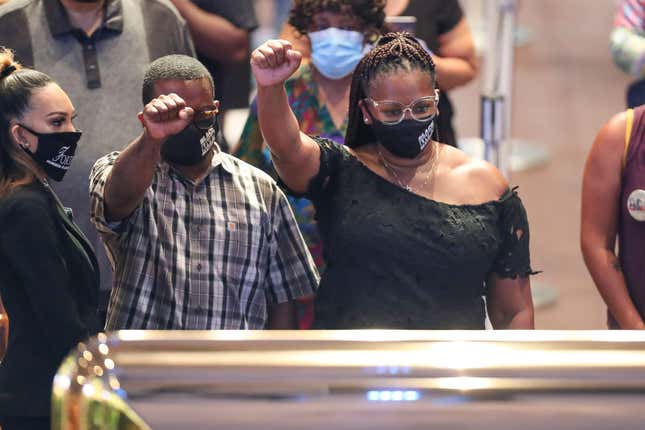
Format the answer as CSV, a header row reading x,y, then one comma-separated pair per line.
x,y
610,140
603,167
475,180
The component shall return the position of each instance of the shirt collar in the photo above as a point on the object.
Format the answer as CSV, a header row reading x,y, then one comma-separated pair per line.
x,y
59,24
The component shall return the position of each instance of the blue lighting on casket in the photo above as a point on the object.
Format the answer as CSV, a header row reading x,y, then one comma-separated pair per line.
x,y
393,395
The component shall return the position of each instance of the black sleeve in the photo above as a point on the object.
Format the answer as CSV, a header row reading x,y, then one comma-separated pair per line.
x,y
241,13
513,258
34,252
449,16
332,155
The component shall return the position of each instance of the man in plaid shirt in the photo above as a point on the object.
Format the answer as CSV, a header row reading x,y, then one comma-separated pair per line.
x,y
198,239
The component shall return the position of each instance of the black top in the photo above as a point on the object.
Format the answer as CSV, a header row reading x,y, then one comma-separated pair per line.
x,y
49,284
398,260
434,18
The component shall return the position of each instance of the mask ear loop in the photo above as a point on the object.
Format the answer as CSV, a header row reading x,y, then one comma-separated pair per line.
x,y
24,144
436,133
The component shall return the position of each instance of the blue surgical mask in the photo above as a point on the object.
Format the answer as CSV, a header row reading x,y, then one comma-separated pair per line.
x,y
336,52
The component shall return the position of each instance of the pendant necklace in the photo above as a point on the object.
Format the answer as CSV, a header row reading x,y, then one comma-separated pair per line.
x,y
396,177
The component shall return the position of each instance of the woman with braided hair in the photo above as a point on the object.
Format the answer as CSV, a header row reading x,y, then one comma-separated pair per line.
x,y
318,93
414,232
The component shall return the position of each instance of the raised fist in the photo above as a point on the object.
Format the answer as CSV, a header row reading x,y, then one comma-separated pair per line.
x,y
166,115
274,61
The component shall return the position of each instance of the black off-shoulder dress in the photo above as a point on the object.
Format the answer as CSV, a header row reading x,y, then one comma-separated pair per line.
x,y
399,260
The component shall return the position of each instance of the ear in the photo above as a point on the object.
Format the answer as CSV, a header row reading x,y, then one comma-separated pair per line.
x,y
216,103
18,136
367,119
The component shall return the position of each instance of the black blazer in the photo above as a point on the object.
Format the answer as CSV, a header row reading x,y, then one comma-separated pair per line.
x,y
49,283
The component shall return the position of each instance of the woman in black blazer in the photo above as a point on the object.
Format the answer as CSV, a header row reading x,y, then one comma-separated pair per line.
x,y
48,273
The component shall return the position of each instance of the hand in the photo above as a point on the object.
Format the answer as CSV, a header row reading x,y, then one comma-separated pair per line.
x,y
164,116
274,61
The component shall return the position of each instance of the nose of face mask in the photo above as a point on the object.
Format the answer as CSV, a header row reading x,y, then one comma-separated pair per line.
x,y
335,52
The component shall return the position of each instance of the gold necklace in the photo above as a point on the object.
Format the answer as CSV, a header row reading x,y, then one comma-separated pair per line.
x,y
396,177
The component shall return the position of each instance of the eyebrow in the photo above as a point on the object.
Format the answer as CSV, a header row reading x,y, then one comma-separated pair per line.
x,y
59,113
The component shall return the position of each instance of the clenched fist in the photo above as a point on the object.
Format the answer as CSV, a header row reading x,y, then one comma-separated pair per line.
x,y
165,115
274,61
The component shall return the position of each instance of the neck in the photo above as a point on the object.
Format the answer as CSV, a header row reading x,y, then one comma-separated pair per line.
x,y
83,15
198,171
403,164
32,166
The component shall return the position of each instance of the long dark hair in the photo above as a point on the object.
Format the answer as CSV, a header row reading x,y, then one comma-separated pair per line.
x,y
16,87
392,52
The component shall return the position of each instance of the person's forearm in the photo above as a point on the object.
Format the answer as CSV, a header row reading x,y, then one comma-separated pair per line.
x,y
454,72
522,320
610,282
282,316
518,319
278,123
130,177
214,36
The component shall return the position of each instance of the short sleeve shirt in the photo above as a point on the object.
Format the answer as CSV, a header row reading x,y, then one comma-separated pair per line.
x,y
207,255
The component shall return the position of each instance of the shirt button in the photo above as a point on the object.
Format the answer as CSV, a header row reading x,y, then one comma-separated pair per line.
x,y
90,47
92,67
199,266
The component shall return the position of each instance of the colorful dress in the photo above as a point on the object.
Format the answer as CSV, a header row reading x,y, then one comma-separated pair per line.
x,y
314,119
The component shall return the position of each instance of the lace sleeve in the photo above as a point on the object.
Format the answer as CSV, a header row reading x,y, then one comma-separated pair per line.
x,y
513,258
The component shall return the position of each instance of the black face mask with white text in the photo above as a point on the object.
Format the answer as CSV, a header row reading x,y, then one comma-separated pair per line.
x,y
406,139
55,151
189,146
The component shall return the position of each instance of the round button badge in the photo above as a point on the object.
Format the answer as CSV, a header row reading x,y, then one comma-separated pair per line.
x,y
636,205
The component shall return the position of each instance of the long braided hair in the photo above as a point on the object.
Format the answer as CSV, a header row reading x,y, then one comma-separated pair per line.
x,y
392,52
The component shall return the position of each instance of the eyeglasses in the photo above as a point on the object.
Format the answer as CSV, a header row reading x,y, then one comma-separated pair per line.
x,y
391,112
205,119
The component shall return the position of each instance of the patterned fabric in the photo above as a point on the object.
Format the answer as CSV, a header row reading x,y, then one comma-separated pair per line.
x,y
314,119
630,14
627,39
207,255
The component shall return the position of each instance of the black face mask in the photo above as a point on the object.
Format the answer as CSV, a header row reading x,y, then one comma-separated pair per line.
x,y
189,146
55,151
406,139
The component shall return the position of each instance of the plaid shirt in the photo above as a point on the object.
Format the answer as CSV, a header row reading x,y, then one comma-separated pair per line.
x,y
207,255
